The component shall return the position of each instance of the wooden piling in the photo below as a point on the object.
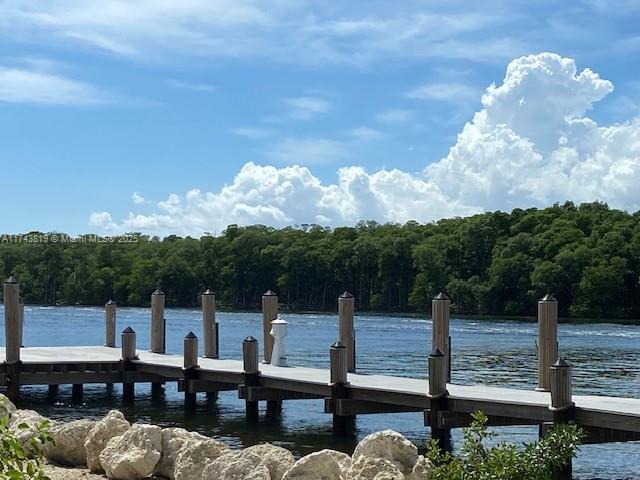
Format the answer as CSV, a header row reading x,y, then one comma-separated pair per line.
x,y
547,339
437,374
190,363
338,364
52,392
12,320
347,337
209,325
269,314
76,393
437,394
251,374
157,322
440,311
562,406
343,419
110,324
128,346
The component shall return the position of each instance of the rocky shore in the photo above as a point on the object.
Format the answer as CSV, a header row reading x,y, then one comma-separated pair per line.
x,y
115,449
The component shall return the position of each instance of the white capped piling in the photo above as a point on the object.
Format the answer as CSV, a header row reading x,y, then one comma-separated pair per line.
x,y
209,324
560,385
128,347
269,314
190,362
440,311
21,322
251,374
157,322
110,324
11,289
338,362
346,307
437,374
547,339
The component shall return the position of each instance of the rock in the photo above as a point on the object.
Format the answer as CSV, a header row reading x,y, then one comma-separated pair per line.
x,y
173,439
320,465
32,420
344,461
421,470
68,442
195,455
240,465
112,425
133,455
389,445
277,459
372,468
6,407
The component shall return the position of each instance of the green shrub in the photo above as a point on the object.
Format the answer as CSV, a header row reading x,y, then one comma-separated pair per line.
x,y
504,461
18,462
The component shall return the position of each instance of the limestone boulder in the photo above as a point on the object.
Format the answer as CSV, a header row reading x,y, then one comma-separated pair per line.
x,y
6,406
241,465
195,455
24,426
322,465
133,455
371,468
173,439
112,425
68,442
277,459
389,445
421,470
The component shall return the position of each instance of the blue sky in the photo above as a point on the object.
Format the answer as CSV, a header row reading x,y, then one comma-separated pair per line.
x,y
291,112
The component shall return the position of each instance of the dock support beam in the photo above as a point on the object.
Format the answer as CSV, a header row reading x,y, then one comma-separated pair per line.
x,y
547,340
346,307
128,354
251,374
189,366
52,392
269,314
438,397
76,392
11,290
440,339
562,406
209,325
158,332
343,422
21,322
110,324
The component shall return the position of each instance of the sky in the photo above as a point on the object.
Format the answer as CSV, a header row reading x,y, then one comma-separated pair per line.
x,y
169,117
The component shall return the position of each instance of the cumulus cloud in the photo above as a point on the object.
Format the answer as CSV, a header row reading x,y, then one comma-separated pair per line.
x,y
531,144
137,198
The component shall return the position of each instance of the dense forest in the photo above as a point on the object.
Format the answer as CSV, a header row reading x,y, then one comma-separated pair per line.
x,y
496,263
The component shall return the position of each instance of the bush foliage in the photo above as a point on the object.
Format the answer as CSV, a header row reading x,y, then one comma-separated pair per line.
x,y
18,461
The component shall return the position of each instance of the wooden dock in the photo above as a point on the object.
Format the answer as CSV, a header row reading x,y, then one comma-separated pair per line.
x,y
346,393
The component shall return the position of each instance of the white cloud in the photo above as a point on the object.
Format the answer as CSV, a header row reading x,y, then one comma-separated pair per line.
x,y
102,220
366,133
307,107
531,144
197,87
254,133
308,151
450,92
395,116
138,199
34,86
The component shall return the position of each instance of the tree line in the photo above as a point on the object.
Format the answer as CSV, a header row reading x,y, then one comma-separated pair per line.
x,y
494,263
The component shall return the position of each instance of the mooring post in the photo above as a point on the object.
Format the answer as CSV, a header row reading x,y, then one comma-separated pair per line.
x,y
347,337
76,392
21,322
438,393
209,324
110,324
269,314
128,354
189,366
158,332
440,339
251,374
343,419
547,339
562,406
11,289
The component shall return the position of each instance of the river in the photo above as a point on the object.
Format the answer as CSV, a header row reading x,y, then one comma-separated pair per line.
x,y
605,357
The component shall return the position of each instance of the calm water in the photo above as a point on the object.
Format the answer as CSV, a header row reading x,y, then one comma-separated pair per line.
x,y
498,352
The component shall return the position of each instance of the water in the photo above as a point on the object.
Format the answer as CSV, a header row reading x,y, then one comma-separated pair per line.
x,y
606,359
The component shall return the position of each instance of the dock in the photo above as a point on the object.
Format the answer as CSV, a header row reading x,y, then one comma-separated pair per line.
x,y
345,391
